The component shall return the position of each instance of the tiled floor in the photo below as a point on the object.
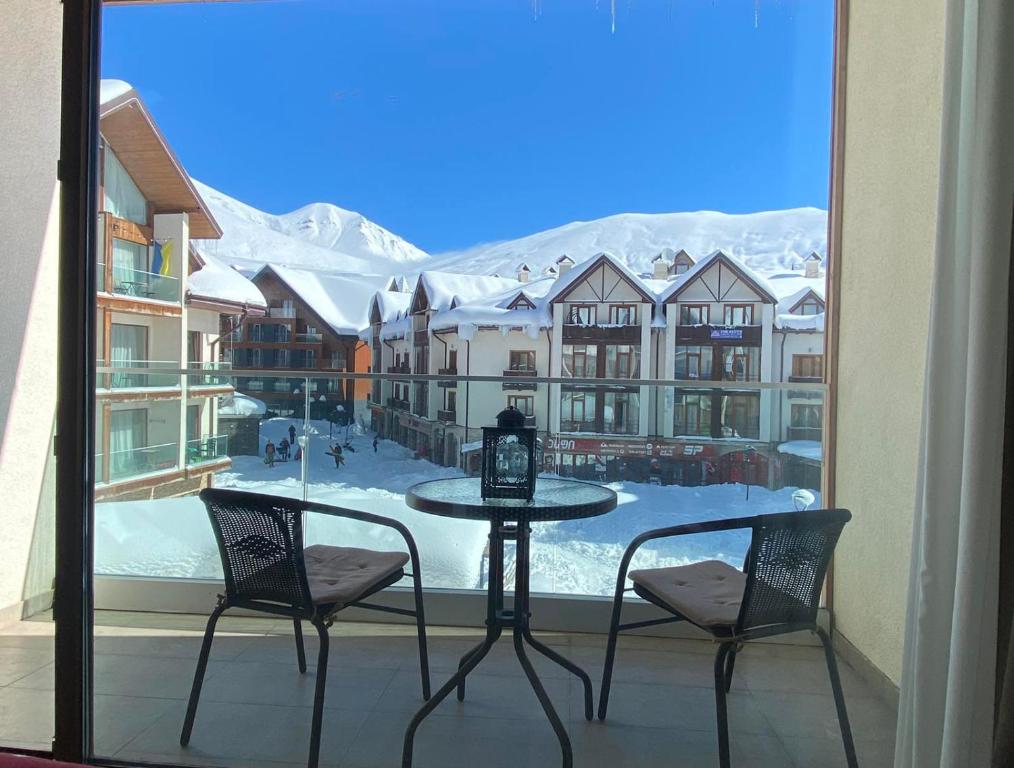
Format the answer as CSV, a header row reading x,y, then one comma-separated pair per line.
x,y
255,708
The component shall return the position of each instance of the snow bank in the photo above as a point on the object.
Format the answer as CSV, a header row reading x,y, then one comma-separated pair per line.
x,y
805,449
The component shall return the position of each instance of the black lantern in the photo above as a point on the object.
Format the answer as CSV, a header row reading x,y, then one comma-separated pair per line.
x,y
508,457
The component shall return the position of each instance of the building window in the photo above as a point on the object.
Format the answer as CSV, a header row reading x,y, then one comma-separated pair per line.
x,y
580,361
577,411
692,415
621,415
582,466
623,361
522,360
128,348
452,400
695,314
338,359
808,366
740,363
581,314
806,422
123,198
524,403
811,306
681,267
741,415
693,362
623,314
738,314
194,347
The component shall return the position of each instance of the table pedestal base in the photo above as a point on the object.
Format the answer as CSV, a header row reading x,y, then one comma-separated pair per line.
x,y
516,619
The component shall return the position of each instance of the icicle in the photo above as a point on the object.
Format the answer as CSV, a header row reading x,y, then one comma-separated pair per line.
x,y
756,14
612,5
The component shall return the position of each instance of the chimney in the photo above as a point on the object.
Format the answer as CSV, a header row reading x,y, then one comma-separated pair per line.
x,y
660,267
812,265
524,271
563,264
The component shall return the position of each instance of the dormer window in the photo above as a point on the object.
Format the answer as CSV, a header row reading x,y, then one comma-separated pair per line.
x,y
810,306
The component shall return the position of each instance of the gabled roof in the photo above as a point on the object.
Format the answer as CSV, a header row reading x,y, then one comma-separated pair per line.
x,y
814,256
388,306
566,283
437,290
804,295
132,134
759,285
340,300
564,259
682,255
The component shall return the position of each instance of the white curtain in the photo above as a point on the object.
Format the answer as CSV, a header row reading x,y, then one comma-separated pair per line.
x,y
946,711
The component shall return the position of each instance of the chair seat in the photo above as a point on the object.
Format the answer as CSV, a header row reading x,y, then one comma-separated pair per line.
x,y
341,575
708,593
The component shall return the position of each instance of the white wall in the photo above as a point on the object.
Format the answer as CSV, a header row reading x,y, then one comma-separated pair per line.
x,y
30,41
892,146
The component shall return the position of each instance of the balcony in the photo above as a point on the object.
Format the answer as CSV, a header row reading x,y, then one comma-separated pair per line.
x,y
398,405
287,312
208,448
747,335
130,463
806,379
447,372
445,416
309,338
520,385
138,284
805,433
210,374
159,378
619,334
403,368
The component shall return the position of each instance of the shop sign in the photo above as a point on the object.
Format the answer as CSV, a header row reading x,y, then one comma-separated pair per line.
x,y
727,333
631,448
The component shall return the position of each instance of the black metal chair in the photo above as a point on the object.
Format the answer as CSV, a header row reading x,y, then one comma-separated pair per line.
x,y
267,569
776,592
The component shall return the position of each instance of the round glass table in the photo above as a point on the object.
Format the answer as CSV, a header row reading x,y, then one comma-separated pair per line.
x,y
510,520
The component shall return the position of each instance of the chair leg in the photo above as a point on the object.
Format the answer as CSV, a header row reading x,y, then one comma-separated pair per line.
x,y
420,626
300,651
607,671
720,707
839,700
730,664
318,695
202,665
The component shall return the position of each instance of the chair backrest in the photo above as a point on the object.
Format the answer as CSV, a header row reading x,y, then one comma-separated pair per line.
x,y
785,570
260,540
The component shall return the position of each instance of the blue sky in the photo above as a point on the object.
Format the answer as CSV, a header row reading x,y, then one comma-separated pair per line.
x,y
453,122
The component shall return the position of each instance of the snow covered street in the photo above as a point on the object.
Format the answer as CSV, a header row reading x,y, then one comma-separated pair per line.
x,y
172,537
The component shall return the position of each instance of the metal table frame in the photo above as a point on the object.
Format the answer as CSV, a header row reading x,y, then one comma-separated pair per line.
x,y
516,619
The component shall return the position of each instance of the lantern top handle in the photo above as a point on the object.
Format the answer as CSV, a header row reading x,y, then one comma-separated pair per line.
x,y
510,418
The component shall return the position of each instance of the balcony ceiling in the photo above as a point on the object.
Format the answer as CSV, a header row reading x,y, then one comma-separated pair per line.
x,y
140,146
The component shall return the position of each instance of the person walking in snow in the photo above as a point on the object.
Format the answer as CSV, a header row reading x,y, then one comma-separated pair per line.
x,y
336,451
292,434
376,442
269,454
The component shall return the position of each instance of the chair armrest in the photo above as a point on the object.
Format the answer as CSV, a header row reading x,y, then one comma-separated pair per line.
x,y
369,517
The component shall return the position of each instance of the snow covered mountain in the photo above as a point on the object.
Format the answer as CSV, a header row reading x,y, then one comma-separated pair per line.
x,y
769,241
317,236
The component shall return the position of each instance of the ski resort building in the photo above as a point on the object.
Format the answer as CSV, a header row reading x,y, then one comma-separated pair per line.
x,y
713,324
312,325
160,305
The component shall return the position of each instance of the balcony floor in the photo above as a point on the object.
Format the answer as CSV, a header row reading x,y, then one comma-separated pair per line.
x,y
255,707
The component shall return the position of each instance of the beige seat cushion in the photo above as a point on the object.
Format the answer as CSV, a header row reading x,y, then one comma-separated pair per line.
x,y
708,593
339,575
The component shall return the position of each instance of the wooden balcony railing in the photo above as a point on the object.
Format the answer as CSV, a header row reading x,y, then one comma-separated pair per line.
x,y
445,416
519,385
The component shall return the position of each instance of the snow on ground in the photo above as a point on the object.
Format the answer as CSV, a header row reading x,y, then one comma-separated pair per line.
x,y
172,537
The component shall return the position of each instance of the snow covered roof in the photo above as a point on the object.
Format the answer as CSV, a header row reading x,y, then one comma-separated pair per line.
x,y
340,299
805,449
215,281
760,283
444,289
238,404
110,89
391,304
800,322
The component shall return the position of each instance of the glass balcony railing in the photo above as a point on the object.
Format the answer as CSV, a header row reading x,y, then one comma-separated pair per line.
x,y
129,463
138,284
676,452
208,448
210,374
163,374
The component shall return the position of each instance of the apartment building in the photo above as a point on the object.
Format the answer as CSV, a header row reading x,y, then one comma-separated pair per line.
x,y
160,304
312,326
713,322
